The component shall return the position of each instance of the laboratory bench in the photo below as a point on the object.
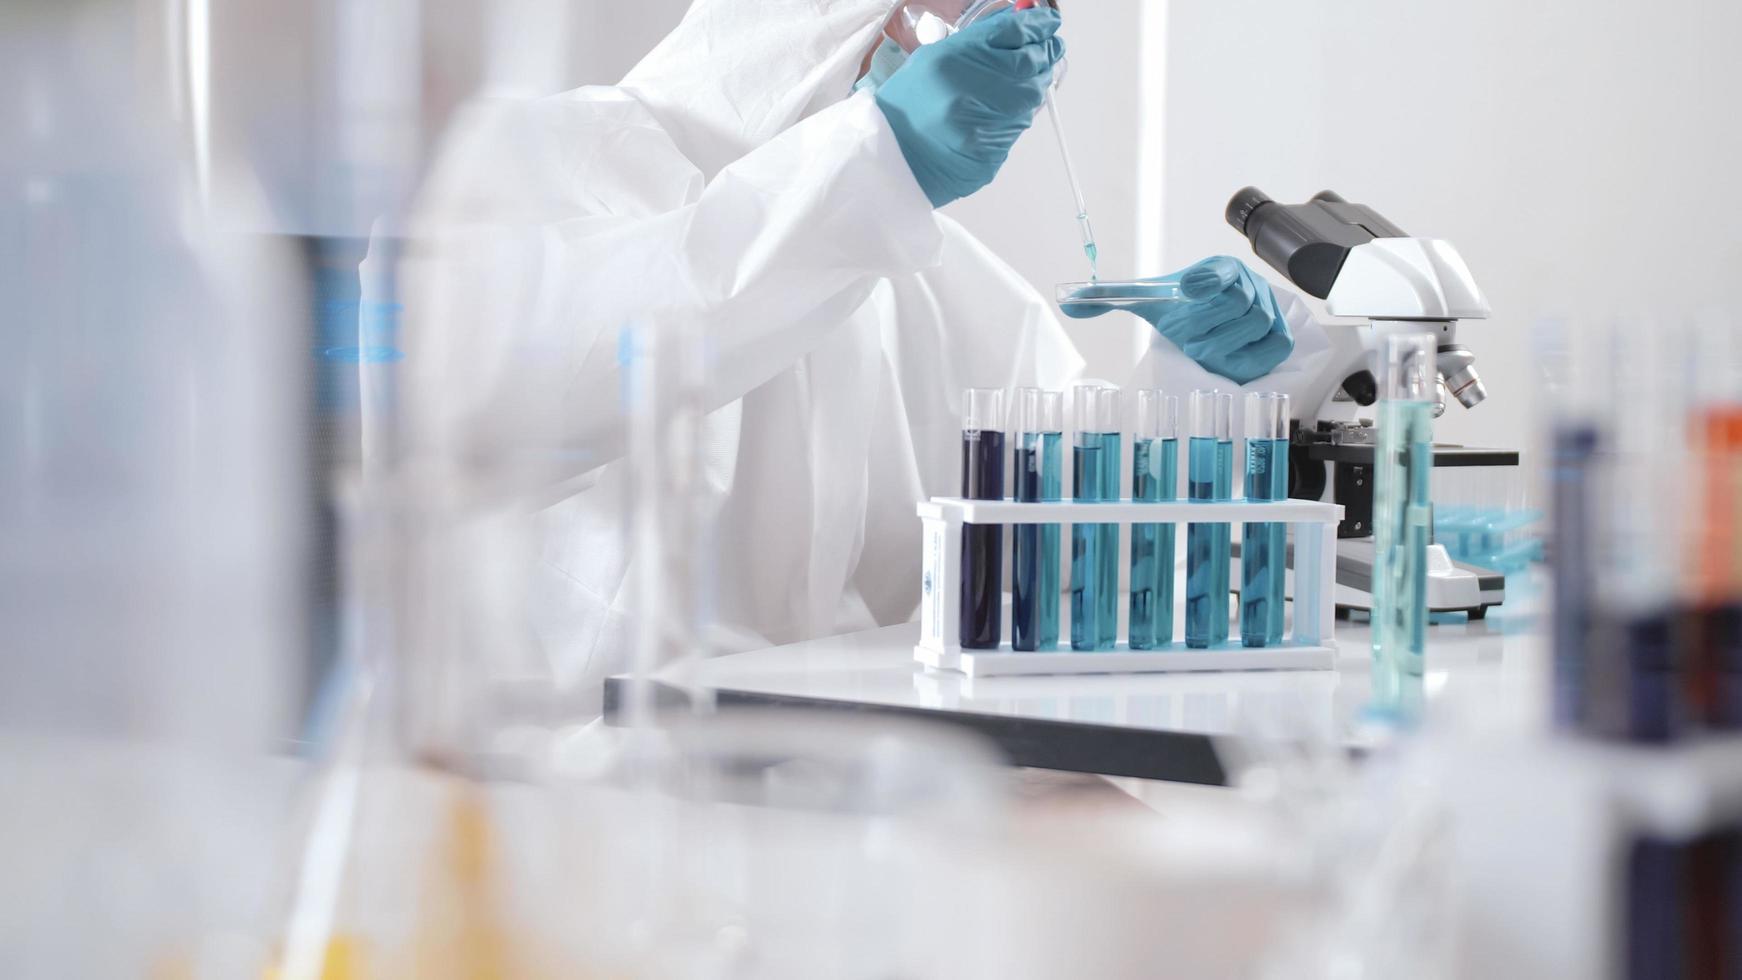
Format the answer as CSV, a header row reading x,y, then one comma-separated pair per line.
x,y
1181,727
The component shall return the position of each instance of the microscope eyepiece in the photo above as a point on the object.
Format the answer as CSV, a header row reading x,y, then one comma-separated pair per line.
x,y
1307,242
1241,206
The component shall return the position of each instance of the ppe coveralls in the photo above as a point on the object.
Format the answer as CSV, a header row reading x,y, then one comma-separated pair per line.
x,y
734,179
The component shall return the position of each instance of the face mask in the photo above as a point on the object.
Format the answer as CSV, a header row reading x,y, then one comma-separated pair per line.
x,y
884,61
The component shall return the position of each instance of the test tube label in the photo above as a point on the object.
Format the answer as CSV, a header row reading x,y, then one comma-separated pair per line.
x,y
932,586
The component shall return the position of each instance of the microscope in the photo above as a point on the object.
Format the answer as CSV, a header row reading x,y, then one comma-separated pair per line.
x,y
1365,267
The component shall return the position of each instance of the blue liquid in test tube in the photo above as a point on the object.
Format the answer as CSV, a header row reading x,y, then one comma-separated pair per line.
x,y
1210,477
1107,550
1039,477
1085,488
1088,565
1154,478
1264,547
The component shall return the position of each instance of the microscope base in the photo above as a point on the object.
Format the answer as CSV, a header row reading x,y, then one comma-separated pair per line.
x,y
1451,586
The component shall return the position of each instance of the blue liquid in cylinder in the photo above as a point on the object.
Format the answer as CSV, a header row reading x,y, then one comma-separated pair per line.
x,y
1035,564
1264,547
1154,477
1402,526
1085,543
1575,449
1107,549
982,600
1210,476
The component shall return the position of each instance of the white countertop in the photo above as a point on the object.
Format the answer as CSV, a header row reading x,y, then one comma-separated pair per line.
x,y
1484,673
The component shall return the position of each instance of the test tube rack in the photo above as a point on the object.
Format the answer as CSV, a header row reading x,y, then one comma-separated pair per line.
x,y
1309,645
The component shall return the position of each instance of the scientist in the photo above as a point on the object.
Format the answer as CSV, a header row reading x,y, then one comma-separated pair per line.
x,y
769,174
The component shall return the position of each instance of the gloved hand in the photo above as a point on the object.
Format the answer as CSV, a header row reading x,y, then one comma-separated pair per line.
x,y
958,106
1229,323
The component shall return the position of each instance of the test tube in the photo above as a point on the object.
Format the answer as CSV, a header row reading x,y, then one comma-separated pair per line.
x,y
1714,532
1107,549
1578,441
1574,447
1210,477
1154,478
1636,661
1716,618
1086,473
1402,511
982,582
1039,473
1264,546
1654,943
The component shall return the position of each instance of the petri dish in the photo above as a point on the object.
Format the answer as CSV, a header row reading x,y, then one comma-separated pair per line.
x,y
1088,298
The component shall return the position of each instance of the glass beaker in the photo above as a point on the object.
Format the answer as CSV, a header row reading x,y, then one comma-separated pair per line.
x,y
797,845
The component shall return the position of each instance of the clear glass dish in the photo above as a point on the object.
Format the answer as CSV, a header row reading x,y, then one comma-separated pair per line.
x,y
1088,298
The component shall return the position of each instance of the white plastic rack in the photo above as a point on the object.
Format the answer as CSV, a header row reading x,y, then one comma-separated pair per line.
x,y
1308,646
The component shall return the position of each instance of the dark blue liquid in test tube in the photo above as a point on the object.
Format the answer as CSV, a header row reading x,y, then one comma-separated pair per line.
x,y
1653,937
1652,658
982,581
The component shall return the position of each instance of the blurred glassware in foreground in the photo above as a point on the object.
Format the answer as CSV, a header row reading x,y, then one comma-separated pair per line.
x,y
150,533
1647,443
1402,522
316,124
1483,517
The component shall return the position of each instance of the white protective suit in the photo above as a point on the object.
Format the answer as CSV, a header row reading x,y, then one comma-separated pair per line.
x,y
730,178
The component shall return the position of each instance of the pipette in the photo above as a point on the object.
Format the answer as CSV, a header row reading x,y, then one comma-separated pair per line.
x,y
1058,130
1087,229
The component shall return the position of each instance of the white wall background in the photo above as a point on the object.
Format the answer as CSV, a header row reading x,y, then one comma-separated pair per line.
x,y
1582,154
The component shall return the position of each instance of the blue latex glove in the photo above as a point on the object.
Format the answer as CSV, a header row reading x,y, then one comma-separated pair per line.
x,y
958,106
1228,323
